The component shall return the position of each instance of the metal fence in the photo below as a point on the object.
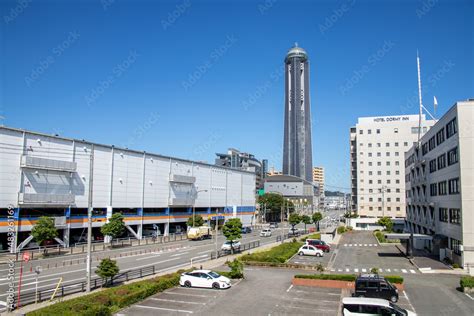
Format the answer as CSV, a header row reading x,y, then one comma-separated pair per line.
x,y
244,247
300,232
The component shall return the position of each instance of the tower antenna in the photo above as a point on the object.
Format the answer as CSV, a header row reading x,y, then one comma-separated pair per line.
x,y
419,97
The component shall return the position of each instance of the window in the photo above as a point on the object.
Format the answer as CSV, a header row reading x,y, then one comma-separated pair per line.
x,y
414,130
370,181
387,154
370,190
387,144
388,163
361,153
432,165
388,181
370,145
398,208
397,173
379,163
453,156
378,145
440,136
379,173
371,199
451,128
371,208
388,172
432,143
455,216
380,208
370,163
453,186
361,144
389,200
397,181
397,199
370,154
443,214
455,246
361,132
433,189
424,149
379,154
378,131
369,131
442,188
405,144
396,144
397,163
370,173
397,154
389,208
380,199
442,161
379,181
397,190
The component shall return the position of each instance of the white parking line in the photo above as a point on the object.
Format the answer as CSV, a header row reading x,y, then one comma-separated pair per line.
x,y
289,289
165,309
380,270
365,245
413,271
356,270
179,254
347,270
388,270
345,245
404,271
364,270
467,294
188,294
176,301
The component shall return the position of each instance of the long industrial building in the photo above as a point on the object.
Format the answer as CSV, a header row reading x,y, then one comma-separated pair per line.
x,y
44,175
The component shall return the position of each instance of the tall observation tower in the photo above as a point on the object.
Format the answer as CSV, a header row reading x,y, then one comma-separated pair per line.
x,y
297,148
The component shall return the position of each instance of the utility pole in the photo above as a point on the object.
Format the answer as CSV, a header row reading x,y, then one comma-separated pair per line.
x,y
89,221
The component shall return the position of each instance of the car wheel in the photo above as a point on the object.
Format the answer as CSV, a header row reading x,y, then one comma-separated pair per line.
x,y
187,284
394,299
301,253
318,255
215,286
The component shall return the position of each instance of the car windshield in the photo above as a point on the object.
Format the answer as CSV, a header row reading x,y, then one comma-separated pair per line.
x,y
214,274
398,309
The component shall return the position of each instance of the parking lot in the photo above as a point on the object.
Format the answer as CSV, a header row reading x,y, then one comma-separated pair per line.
x,y
311,260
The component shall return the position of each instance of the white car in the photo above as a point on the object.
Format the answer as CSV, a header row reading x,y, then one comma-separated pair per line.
x,y
266,232
371,306
204,278
308,250
227,245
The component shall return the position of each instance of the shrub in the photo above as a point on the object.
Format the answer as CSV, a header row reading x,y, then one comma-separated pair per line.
x,y
467,282
312,236
236,269
278,254
341,229
394,279
320,267
456,266
374,270
345,277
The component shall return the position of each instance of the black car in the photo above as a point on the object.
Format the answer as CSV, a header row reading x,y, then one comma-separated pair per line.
x,y
246,230
373,285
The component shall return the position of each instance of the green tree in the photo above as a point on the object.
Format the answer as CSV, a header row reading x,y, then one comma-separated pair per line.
x,y
198,221
306,220
294,220
232,231
317,217
107,269
274,203
44,229
115,227
236,269
386,222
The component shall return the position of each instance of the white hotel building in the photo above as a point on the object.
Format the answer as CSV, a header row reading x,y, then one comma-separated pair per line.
x,y
440,186
377,149
44,175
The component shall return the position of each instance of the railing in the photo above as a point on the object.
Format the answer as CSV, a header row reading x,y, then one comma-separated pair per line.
x,y
50,199
244,247
48,164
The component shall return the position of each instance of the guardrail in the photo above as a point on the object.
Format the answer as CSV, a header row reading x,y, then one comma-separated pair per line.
x,y
244,247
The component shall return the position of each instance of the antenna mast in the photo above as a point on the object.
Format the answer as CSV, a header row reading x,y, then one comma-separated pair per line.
x,y
419,97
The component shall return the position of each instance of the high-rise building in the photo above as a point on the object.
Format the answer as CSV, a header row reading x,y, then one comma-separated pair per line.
x,y
378,145
439,186
297,147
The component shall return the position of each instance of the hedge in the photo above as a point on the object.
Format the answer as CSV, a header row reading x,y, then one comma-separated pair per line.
x,y
345,277
467,282
111,300
312,236
278,254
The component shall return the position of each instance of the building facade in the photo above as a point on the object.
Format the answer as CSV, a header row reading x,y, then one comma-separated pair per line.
x,y
377,148
440,186
44,175
244,161
297,146
318,176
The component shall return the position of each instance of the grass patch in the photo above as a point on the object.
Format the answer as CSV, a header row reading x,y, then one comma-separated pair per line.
x,y
381,238
278,254
467,282
312,236
345,277
110,301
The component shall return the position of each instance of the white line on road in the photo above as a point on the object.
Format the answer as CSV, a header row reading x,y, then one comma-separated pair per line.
x,y
165,309
413,271
467,294
388,270
289,289
207,251
347,270
356,270
188,294
404,271
179,254
364,270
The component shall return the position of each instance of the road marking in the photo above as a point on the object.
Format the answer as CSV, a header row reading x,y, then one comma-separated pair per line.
x,y
289,289
179,254
350,245
396,270
339,270
365,245
404,271
388,270
2,303
467,294
347,270
199,253
364,270
176,301
188,294
345,245
165,309
332,270
360,245
409,302
413,271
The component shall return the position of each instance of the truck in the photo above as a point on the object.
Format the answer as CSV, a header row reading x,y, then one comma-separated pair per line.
x,y
199,233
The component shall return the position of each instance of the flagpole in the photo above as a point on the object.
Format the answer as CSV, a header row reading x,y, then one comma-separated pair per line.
x,y
419,97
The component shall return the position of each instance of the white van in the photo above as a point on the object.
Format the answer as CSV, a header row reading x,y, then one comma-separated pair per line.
x,y
372,306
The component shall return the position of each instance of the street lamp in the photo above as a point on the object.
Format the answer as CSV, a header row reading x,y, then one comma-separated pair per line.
x,y
194,204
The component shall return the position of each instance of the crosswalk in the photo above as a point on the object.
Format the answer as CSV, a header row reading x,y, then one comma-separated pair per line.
x,y
367,270
360,245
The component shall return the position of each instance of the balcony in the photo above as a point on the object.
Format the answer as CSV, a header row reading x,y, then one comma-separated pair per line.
x,y
181,202
47,164
46,199
182,179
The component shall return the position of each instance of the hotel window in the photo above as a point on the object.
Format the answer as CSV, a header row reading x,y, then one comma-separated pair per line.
x,y
379,208
440,136
397,190
432,165
387,144
398,199
371,199
370,145
397,154
379,173
432,143
455,216
424,149
370,173
455,246
397,172
443,214
451,128
396,144
388,163
453,156
361,132
378,145
442,188
405,144
389,208
379,181
442,161
369,131
370,190
379,154
370,181
433,189
378,131
389,200
453,186
370,154
414,130
397,181
361,162
379,163
361,144
370,163
387,154
398,208
397,163
388,172
371,208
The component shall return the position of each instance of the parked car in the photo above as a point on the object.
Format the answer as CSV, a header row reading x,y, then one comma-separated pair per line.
x,y
318,244
294,232
373,285
204,278
246,230
371,306
308,250
228,245
273,225
266,232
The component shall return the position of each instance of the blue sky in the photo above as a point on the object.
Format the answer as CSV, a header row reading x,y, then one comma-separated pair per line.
x,y
191,78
